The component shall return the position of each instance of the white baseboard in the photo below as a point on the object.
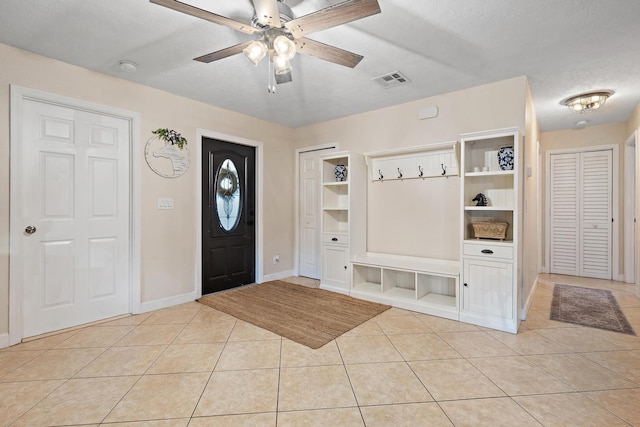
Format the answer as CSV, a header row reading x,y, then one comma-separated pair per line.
x,y
527,303
277,276
167,302
4,340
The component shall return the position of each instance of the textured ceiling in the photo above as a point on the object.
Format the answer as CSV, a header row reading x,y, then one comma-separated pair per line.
x,y
563,47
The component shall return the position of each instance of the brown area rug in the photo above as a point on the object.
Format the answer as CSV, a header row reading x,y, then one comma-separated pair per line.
x,y
308,316
595,308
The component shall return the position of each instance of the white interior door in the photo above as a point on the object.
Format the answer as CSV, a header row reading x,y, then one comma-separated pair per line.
x,y
595,215
309,232
581,213
565,211
74,206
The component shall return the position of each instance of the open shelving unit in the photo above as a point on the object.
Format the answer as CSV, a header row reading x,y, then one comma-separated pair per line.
x,y
420,284
489,291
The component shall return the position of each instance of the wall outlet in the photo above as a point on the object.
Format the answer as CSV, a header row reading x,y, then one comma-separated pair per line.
x,y
165,203
276,258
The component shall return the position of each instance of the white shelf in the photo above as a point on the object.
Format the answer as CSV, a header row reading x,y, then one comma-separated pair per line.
x,y
336,184
368,287
443,300
487,208
334,208
401,293
427,161
488,173
407,263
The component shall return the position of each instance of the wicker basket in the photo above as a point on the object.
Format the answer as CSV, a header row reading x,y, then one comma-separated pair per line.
x,y
490,230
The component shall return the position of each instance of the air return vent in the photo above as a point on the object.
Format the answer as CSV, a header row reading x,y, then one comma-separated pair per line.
x,y
392,79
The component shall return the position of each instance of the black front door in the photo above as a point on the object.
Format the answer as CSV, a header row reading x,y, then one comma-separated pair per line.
x,y
228,215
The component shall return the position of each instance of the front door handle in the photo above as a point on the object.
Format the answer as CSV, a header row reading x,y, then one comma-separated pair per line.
x,y
30,229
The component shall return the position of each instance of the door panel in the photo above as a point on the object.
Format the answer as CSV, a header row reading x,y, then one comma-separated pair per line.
x,y
564,214
488,290
228,217
75,192
309,260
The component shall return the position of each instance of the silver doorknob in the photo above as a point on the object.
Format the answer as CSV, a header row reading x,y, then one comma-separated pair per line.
x,y
30,229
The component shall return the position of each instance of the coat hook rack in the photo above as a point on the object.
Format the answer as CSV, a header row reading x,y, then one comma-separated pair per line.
x,y
399,173
421,171
380,176
444,169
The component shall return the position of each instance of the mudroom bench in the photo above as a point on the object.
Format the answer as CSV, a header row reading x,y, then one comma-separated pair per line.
x,y
425,285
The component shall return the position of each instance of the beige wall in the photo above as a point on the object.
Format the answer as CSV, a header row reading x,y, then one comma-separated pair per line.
x,y
422,218
633,123
168,237
530,232
168,256
615,133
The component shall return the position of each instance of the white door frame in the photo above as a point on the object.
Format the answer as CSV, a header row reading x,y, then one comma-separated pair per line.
x,y
629,207
259,146
16,284
330,147
615,229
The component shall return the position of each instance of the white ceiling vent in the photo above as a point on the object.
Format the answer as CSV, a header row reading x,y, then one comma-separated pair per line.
x,y
392,79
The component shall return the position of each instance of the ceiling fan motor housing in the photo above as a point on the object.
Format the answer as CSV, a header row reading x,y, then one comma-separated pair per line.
x,y
286,15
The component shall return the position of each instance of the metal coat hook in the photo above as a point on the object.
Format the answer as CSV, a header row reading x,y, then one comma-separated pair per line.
x,y
399,173
421,171
444,169
380,176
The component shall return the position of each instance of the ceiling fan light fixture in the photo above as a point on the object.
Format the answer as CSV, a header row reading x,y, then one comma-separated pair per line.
x,y
284,46
255,51
586,102
281,64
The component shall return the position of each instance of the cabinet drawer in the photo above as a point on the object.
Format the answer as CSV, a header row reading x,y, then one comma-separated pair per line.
x,y
335,239
488,250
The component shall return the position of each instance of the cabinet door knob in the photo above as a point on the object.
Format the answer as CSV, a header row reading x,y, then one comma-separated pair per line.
x,y
487,251
345,267
334,239
465,285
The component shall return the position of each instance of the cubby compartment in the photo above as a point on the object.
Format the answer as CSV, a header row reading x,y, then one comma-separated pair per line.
x,y
329,169
436,289
335,195
398,283
471,216
367,278
335,220
497,188
483,153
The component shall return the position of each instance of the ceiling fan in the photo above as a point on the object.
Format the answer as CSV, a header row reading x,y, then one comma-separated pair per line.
x,y
281,35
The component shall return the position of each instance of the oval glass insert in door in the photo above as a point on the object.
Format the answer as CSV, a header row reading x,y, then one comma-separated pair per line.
x,y
228,198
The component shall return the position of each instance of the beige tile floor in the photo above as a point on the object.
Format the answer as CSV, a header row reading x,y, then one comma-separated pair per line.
x,y
191,365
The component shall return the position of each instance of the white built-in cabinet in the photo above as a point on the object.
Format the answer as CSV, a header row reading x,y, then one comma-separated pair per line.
x,y
490,266
483,286
343,218
425,285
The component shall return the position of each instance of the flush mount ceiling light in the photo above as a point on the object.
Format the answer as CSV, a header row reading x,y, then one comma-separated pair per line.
x,y
280,35
586,102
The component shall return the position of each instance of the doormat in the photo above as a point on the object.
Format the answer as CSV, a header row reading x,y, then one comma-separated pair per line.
x,y
308,316
595,308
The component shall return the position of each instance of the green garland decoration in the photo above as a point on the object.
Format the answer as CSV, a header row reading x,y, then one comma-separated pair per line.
x,y
171,136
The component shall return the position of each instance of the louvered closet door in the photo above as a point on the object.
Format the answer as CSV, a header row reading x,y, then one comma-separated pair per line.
x,y
564,214
581,211
595,226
